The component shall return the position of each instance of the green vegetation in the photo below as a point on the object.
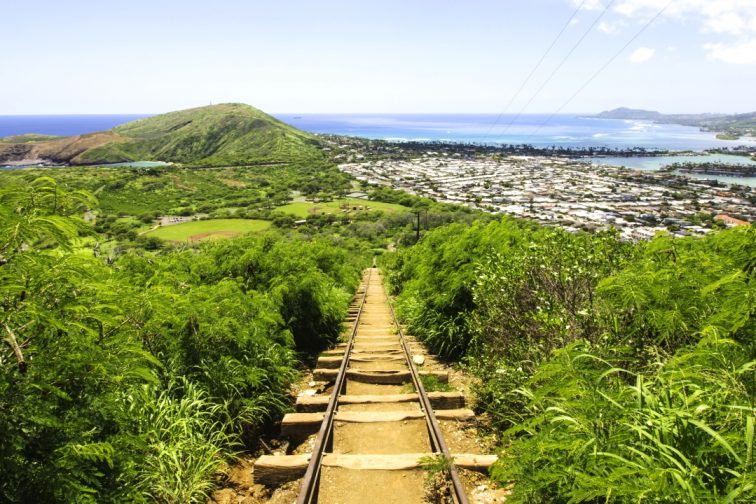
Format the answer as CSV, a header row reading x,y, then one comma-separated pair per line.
x,y
433,384
133,379
208,229
227,134
729,169
304,209
137,364
173,190
436,478
615,373
723,136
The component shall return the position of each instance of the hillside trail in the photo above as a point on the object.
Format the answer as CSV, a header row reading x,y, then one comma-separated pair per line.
x,y
376,333
379,430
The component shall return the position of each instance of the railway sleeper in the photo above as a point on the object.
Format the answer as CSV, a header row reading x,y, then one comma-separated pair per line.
x,y
298,426
274,470
377,377
333,361
439,400
340,353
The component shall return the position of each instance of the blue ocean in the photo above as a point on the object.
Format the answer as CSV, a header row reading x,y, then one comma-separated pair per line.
x,y
62,125
538,130
535,129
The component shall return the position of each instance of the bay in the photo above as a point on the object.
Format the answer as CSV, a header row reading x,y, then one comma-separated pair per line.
x,y
655,163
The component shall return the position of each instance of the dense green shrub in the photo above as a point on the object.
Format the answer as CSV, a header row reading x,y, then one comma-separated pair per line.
x,y
619,373
435,280
137,376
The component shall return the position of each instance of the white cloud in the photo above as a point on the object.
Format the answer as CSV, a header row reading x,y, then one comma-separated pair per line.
x,y
608,28
642,54
716,16
743,53
730,24
726,23
589,4
632,8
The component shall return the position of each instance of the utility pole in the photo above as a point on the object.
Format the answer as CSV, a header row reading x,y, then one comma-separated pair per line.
x,y
417,236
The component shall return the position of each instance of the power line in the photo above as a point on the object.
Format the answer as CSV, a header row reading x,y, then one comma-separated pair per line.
x,y
561,64
536,67
603,67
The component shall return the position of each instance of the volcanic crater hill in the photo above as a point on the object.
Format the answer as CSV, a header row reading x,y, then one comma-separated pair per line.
x,y
216,135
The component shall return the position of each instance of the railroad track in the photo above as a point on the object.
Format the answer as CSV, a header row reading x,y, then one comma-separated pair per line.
x,y
378,428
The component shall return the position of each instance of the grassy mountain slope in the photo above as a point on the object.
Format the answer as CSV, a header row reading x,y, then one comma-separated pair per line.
x,y
739,124
225,134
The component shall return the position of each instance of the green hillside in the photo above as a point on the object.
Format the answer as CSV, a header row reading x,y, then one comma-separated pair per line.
x,y
226,134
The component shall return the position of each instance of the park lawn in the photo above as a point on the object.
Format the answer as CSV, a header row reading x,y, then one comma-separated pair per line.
x,y
207,229
304,209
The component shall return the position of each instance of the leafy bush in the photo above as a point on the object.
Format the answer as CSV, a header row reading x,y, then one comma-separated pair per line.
x,y
435,281
133,380
618,373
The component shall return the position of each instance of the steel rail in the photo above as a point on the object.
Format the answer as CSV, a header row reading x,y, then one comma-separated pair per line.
x,y
308,492
437,438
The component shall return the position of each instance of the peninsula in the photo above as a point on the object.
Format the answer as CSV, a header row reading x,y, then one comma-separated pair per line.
x,y
728,126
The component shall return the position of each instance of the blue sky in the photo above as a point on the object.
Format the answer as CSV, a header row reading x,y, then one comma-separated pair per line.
x,y
390,56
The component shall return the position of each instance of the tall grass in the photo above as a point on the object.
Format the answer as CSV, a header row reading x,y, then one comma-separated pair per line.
x,y
600,433
186,440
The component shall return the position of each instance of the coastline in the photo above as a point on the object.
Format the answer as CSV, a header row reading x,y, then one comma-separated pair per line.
x,y
725,127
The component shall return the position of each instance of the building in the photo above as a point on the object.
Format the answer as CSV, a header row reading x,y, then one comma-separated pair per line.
x,y
731,221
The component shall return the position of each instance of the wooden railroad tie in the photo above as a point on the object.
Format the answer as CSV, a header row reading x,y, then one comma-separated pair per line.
x,y
439,400
377,377
332,361
368,352
273,470
297,426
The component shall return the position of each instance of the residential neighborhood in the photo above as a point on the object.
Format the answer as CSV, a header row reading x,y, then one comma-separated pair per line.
x,y
570,193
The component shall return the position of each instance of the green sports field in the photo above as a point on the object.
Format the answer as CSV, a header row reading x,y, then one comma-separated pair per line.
x,y
208,229
305,208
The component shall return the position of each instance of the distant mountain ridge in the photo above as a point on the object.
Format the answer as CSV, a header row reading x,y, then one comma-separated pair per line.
x,y
629,114
729,124
225,134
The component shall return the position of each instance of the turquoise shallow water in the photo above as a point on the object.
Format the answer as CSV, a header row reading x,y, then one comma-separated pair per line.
x,y
139,164
132,164
653,163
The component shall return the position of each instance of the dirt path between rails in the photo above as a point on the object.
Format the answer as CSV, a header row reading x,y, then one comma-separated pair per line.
x,y
344,486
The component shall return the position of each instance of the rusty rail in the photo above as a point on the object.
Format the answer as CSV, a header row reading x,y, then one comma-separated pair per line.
x,y
308,492
434,430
